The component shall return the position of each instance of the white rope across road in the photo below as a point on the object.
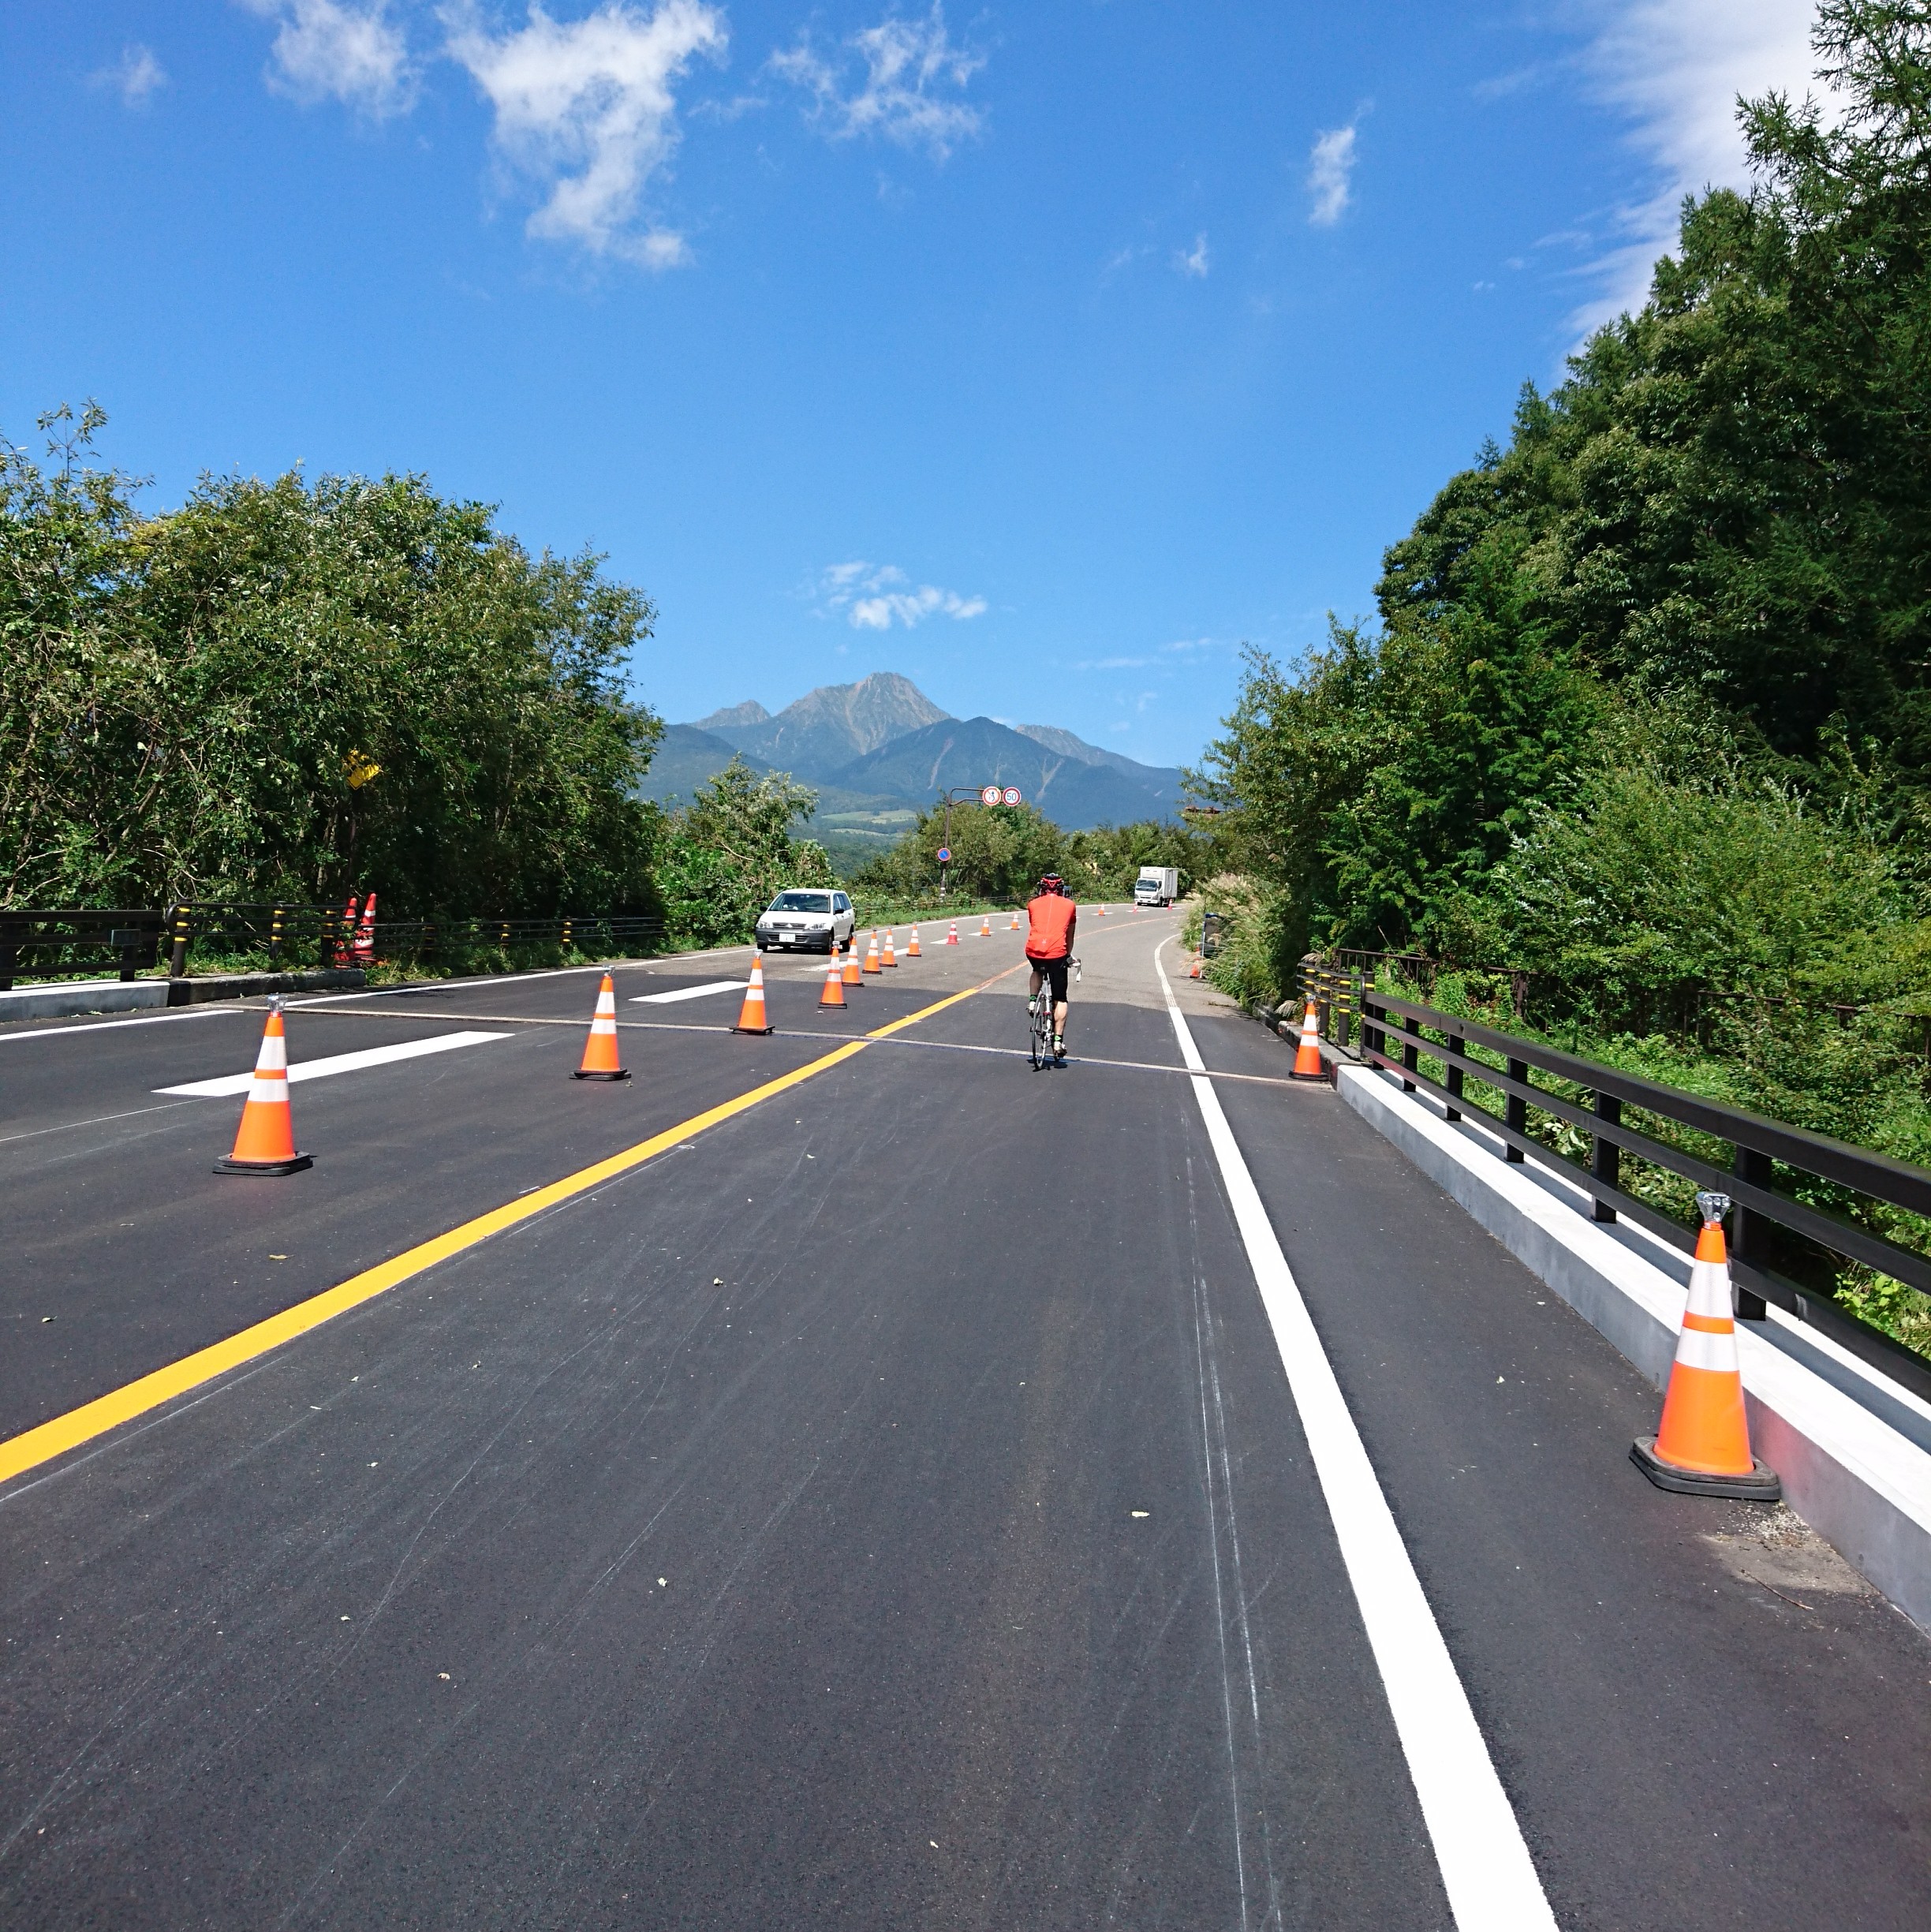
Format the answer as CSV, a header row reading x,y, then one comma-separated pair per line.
x,y
1485,1868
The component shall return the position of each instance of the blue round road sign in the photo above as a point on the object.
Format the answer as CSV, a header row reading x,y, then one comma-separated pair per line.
x,y
945,855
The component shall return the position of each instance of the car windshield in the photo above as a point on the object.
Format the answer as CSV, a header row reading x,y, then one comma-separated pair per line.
x,y
801,902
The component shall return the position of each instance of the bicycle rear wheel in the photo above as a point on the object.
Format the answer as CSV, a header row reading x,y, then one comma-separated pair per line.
x,y
1040,1037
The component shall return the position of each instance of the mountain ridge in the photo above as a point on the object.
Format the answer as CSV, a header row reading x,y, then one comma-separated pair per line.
x,y
880,741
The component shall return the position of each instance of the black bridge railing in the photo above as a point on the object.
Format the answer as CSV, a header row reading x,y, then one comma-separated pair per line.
x,y
1775,1235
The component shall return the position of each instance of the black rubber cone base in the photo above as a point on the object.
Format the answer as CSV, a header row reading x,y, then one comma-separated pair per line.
x,y
760,1031
622,1072
1760,1485
1320,1078
228,1164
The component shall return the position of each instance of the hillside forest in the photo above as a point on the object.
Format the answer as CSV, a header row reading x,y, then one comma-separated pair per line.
x,y
1645,713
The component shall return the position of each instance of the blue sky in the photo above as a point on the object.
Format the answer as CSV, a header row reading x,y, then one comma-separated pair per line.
x,y
1044,354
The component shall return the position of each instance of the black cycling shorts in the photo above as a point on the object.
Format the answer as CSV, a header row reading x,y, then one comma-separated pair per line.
x,y
1053,972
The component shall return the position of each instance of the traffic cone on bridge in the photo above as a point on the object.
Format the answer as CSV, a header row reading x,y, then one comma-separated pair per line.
x,y
951,938
834,993
985,926
871,953
885,958
264,1143
1307,1055
1014,926
751,1015
600,1055
1702,1445
849,972
1103,912
912,951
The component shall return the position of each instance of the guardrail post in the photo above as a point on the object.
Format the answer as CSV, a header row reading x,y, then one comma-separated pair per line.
x,y
11,931
1757,1169
1605,1156
1456,1049
1515,1110
1411,1056
182,923
274,938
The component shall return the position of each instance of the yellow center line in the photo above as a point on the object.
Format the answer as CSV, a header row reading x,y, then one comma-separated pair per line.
x,y
32,1447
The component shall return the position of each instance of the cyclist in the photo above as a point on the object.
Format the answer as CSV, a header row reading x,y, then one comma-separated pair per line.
x,y
1051,917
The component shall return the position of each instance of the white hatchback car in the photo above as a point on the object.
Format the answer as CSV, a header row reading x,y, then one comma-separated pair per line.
x,y
806,921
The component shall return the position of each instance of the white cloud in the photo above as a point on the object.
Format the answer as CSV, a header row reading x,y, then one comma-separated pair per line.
x,y
875,597
134,76
914,75
347,50
1193,261
1330,171
1675,72
585,110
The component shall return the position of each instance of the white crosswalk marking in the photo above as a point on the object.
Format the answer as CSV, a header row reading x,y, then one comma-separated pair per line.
x,y
337,1064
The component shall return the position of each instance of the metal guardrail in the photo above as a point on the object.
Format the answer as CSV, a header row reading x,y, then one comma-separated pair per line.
x,y
1769,1226
126,939
45,943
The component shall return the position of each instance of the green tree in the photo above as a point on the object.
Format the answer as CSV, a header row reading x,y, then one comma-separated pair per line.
x,y
288,691
999,853
728,854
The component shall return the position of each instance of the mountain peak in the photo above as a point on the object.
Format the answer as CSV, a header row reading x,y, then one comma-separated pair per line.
x,y
827,728
749,712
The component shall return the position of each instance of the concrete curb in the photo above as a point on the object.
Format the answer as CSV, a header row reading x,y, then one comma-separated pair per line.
x,y
65,998
1861,1483
72,996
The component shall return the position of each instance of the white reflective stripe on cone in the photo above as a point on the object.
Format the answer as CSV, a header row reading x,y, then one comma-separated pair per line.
x,y
1696,1348
1710,1289
273,1058
269,1090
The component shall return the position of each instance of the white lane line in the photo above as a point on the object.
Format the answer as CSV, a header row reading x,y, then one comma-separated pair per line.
x,y
1485,1868
337,1064
689,992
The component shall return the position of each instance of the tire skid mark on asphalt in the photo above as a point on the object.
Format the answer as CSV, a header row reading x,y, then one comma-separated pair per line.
x,y
33,1446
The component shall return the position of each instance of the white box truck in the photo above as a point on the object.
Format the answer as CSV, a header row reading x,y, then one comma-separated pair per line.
x,y
1157,885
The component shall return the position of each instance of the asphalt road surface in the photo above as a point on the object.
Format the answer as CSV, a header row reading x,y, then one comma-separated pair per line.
x,y
887,1487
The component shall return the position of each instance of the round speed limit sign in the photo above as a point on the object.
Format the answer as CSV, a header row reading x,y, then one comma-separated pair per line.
x,y
990,795
1012,795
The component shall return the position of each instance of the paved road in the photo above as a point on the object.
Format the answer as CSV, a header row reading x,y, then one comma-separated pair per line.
x,y
886,1506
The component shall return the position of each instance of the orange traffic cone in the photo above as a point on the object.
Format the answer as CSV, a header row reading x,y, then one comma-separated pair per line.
x,y
834,993
985,926
365,934
1014,926
952,936
1702,1448
871,954
912,951
1103,912
885,958
751,1015
849,972
1307,1055
600,1060
264,1143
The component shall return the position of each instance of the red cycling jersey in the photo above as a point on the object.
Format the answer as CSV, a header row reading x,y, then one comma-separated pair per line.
x,y
1051,918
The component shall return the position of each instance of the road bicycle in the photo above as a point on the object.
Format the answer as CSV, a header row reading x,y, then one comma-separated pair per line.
x,y
1038,1022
